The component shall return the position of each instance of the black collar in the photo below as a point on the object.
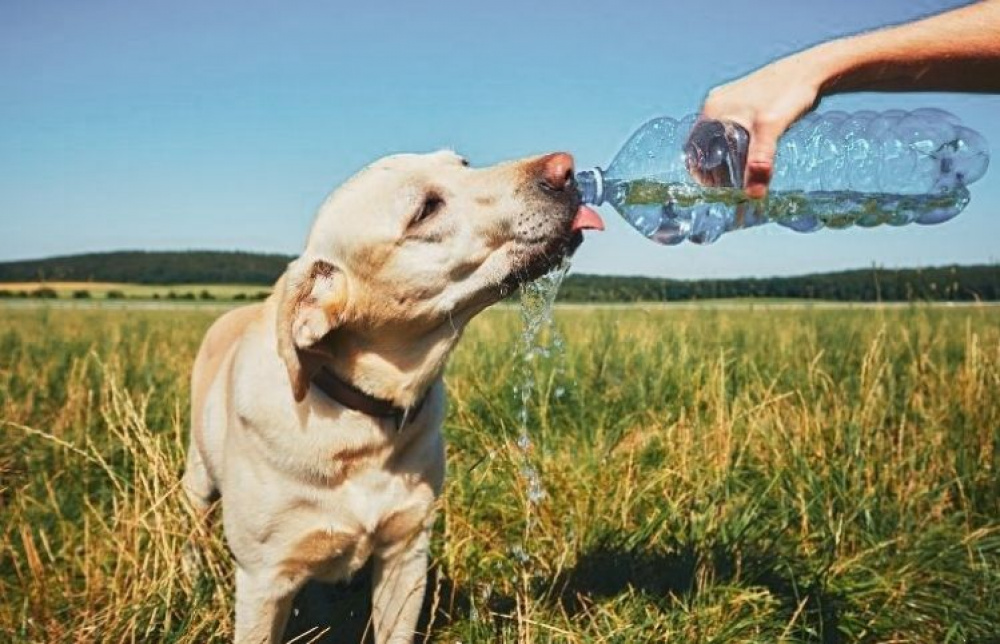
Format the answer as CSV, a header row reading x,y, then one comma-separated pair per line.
x,y
353,398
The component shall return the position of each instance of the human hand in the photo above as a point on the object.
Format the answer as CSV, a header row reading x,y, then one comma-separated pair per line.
x,y
765,103
956,50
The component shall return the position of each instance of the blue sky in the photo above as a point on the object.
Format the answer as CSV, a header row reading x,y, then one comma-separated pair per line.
x,y
222,124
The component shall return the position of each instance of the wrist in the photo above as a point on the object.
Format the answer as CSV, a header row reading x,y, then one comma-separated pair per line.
x,y
831,65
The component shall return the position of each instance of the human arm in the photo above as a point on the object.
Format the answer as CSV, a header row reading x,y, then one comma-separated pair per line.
x,y
954,51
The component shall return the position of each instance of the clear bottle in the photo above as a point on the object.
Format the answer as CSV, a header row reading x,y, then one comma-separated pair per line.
x,y
682,180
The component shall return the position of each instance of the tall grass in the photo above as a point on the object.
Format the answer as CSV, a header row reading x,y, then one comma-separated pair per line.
x,y
712,476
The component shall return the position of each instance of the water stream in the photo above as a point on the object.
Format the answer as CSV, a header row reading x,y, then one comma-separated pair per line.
x,y
540,343
541,355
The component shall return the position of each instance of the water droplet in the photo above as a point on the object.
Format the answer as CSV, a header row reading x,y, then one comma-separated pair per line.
x,y
519,555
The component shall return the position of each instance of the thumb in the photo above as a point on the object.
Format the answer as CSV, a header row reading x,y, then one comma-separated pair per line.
x,y
760,160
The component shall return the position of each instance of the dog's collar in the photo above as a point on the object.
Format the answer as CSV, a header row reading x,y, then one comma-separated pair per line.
x,y
353,398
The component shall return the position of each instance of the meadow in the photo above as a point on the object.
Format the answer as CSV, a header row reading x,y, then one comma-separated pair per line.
x,y
121,291
747,474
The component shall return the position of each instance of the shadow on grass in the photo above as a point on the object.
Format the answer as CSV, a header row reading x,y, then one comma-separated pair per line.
x,y
608,570
343,611
604,571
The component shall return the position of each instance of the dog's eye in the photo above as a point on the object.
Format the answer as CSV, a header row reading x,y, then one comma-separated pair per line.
x,y
465,162
432,204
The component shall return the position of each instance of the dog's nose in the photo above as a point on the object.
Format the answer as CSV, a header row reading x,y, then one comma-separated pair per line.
x,y
557,171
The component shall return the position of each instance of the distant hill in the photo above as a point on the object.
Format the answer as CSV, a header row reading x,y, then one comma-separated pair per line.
x,y
955,283
142,267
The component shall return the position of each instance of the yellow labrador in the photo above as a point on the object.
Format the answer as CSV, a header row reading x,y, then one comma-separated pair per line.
x,y
316,415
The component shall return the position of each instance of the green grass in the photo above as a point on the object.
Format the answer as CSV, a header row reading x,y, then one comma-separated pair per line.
x,y
712,476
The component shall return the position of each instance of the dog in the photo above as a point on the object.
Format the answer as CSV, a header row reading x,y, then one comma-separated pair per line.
x,y
316,415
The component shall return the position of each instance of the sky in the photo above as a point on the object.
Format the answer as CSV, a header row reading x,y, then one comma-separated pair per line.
x,y
222,124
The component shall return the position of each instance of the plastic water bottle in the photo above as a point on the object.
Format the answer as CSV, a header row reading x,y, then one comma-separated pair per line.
x,y
676,180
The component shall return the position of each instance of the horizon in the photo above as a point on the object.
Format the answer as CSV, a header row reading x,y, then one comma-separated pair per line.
x,y
872,267
224,126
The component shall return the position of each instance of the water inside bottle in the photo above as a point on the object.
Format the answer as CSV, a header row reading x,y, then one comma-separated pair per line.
x,y
670,212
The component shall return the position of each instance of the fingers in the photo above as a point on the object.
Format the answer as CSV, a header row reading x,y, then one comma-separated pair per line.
x,y
760,160
764,134
765,102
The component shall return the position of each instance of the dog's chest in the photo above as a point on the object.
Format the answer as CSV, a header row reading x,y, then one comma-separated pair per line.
x,y
373,513
332,488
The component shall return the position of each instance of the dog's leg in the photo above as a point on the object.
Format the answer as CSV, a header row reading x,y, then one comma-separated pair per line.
x,y
197,482
398,592
262,607
201,492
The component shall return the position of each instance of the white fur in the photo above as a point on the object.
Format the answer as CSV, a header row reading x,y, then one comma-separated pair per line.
x,y
312,489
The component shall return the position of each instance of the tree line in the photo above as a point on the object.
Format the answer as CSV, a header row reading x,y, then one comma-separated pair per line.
x,y
151,267
947,283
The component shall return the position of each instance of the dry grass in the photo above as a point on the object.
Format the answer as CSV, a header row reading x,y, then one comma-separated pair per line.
x,y
100,290
711,476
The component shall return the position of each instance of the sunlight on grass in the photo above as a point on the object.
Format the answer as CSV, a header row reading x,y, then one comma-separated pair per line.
x,y
712,476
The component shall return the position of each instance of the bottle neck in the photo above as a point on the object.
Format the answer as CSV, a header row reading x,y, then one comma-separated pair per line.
x,y
590,186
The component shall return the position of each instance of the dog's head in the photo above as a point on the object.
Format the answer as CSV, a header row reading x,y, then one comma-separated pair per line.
x,y
416,242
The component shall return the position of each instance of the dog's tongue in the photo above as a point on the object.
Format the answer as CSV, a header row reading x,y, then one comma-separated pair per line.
x,y
587,219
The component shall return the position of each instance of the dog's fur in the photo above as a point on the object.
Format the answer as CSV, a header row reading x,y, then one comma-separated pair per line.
x,y
398,260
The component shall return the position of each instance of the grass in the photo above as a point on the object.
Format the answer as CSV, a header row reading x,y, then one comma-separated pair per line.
x,y
711,475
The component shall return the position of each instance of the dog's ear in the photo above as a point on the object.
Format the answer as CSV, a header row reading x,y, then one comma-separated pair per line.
x,y
311,301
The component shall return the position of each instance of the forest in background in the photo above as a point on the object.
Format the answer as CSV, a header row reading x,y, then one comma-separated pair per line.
x,y
944,283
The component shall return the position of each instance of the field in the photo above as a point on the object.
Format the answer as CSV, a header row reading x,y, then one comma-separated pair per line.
x,y
730,475
101,290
